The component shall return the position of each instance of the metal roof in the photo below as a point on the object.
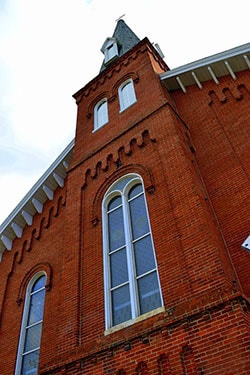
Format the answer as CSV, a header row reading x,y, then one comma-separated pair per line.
x,y
210,68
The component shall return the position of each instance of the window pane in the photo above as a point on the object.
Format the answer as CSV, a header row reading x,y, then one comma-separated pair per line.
x,y
137,189
128,94
119,269
144,256
120,185
116,229
102,114
149,293
40,283
111,51
121,306
33,337
115,202
36,307
138,214
30,363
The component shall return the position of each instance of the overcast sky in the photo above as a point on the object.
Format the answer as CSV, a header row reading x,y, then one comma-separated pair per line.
x,y
49,49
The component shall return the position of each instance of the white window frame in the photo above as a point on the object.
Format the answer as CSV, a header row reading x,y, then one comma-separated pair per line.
x,y
127,98
100,121
111,193
110,50
18,369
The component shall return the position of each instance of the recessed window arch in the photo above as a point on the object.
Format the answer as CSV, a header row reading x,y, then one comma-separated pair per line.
x,y
31,328
132,286
101,113
126,94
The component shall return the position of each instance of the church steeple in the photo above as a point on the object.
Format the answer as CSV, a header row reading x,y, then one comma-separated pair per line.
x,y
123,40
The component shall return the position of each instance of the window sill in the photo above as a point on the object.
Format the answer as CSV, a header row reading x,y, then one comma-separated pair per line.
x,y
135,320
100,127
130,105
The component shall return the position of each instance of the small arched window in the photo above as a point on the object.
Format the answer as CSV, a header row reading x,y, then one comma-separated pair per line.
x,y
31,329
126,94
101,114
131,279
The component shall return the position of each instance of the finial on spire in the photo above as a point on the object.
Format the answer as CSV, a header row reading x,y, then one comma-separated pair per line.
x,y
118,19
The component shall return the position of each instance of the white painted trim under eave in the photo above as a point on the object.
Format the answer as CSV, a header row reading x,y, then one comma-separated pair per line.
x,y
10,228
206,61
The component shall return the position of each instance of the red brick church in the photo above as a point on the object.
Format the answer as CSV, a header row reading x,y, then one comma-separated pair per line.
x,y
130,255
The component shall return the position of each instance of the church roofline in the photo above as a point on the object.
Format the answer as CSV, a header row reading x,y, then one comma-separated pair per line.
x,y
209,68
34,200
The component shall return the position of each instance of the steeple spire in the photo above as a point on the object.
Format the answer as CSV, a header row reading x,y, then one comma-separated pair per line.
x,y
123,39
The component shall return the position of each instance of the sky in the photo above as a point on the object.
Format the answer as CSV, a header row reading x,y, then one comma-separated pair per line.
x,y
49,49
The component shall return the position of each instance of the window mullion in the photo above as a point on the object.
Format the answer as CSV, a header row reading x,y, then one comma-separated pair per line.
x,y
130,257
107,282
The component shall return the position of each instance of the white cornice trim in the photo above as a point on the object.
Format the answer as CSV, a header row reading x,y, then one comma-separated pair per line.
x,y
224,63
34,200
222,56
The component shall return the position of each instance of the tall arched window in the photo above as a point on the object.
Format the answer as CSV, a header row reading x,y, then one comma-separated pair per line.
x,y
126,94
31,329
101,114
131,278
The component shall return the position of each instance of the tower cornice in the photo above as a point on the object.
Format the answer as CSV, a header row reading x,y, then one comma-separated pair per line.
x,y
142,47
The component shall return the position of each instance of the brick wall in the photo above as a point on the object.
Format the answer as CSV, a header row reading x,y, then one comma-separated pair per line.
x,y
197,227
219,117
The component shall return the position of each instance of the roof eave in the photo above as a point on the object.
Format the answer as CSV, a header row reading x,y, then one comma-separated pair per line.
x,y
209,68
34,200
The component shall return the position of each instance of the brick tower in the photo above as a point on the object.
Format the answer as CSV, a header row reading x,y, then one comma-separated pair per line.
x,y
126,256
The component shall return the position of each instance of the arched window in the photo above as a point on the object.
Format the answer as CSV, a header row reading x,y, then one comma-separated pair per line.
x,y
31,329
126,94
131,278
101,114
